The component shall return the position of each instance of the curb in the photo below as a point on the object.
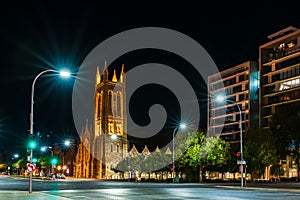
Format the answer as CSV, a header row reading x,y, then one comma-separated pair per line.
x,y
257,188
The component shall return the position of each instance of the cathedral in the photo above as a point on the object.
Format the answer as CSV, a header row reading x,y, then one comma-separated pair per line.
x,y
104,143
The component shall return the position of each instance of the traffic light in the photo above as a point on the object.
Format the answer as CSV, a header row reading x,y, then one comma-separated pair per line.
x,y
171,166
34,160
32,144
238,155
54,161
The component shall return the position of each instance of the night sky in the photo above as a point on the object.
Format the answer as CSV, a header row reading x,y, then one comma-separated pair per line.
x,y
36,35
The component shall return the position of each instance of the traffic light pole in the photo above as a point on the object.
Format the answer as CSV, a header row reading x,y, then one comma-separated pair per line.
x,y
173,155
241,147
30,173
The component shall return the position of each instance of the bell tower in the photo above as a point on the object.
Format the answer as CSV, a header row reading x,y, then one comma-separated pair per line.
x,y
110,141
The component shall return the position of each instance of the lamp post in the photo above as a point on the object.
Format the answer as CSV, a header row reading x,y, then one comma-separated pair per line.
x,y
50,149
16,156
181,126
67,144
242,162
61,73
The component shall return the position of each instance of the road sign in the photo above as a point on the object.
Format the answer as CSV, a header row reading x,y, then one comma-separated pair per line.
x,y
30,167
241,162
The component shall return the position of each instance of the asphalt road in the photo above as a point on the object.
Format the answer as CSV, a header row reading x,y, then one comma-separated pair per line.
x,y
16,188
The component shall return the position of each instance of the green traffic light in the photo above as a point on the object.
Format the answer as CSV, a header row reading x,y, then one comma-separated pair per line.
x,y
32,144
54,161
34,160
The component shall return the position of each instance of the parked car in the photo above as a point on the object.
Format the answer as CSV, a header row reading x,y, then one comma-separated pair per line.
x,y
60,176
50,175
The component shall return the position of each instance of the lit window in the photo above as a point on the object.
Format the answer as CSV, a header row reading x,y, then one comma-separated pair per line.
x,y
289,84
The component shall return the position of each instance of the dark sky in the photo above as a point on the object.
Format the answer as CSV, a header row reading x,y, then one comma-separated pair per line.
x,y
36,35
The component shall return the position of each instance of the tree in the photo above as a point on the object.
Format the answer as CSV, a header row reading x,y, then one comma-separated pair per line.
x,y
210,152
3,166
259,151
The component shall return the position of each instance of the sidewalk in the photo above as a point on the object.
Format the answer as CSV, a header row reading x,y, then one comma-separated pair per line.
x,y
21,195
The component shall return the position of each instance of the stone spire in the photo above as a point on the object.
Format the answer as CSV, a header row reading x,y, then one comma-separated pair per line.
x,y
105,73
114,78
98,76
122,76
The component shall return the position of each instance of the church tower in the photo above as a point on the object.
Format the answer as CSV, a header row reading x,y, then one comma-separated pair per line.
x,y
110,144
104,143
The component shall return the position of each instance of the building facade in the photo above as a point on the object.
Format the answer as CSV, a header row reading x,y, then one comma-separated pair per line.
x,y
104,143
279,66
238,86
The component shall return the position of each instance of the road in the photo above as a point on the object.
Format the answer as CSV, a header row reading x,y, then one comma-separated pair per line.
x,y
15,188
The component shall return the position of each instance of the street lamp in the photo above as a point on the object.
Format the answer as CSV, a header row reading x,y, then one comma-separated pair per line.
x,y
43,149
16,156
221,98
182,126
61,73
67,144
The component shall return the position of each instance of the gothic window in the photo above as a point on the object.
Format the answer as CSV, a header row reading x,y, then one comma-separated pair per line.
x,y
111,147
110,127
110,96
119,104
118,148
100,103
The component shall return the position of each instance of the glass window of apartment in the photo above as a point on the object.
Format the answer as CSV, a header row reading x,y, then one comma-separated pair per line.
x,y
289,84
237,89
246,96
247,86
229,91
229,82
241,78
241,97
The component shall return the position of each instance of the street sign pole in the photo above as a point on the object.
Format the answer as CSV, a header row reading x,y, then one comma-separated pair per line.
x,y
31,167
30,174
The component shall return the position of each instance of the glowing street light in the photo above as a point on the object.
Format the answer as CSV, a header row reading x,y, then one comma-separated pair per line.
x,y
182,126
64,73
221,98
61,73
67,143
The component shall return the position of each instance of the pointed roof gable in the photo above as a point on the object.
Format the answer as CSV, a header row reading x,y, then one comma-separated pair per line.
x,y
157,149
133,150
146,151
168,151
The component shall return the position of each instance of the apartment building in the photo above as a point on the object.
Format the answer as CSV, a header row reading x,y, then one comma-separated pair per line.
x,y
238,87
279,66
